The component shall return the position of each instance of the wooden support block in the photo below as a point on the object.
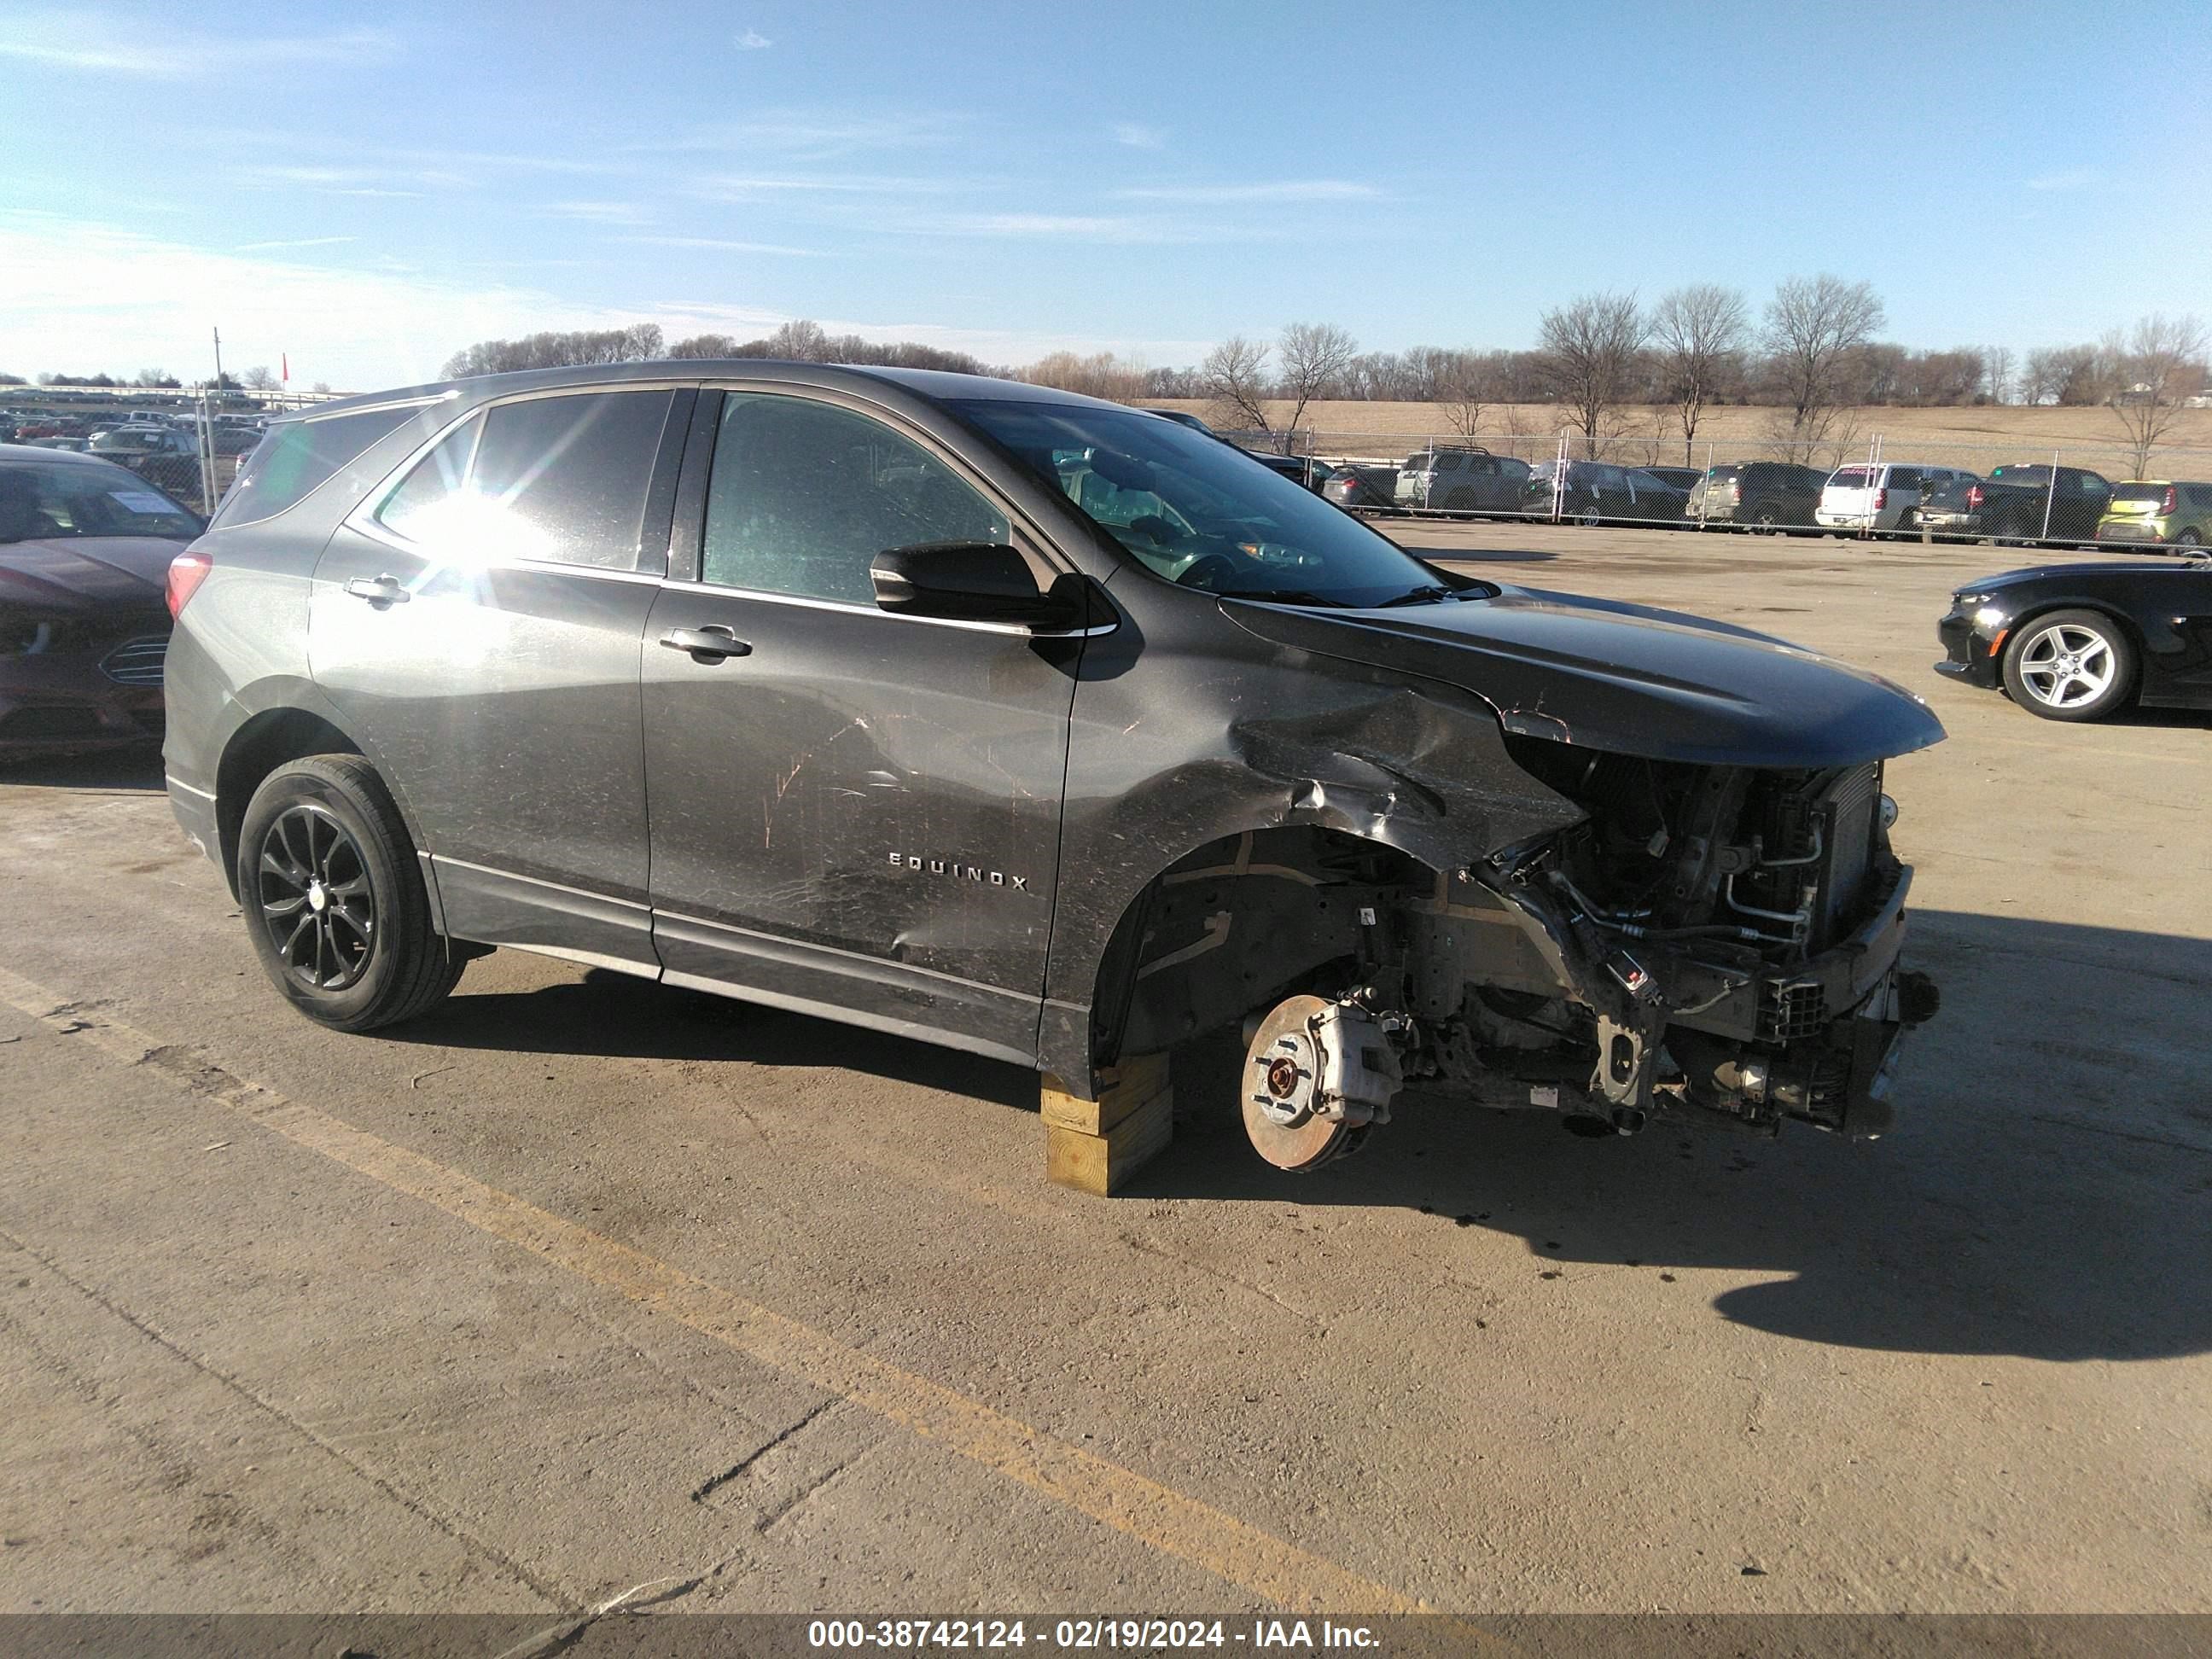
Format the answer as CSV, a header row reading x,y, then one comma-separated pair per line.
x,y
1100,1165
1122,1090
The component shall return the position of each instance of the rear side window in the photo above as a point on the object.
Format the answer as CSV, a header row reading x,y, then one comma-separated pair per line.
x,y
430,490
297,458
1904,477
564,479
804,495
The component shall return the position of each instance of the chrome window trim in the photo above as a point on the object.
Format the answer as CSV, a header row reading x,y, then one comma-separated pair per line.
x,y
363,518
766,597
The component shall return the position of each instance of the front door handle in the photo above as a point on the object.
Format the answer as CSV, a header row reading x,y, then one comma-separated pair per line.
x,y
378,590
709,644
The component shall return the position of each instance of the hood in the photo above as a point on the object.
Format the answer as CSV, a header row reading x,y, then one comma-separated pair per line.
x,y
1625,678
2129,565
77,575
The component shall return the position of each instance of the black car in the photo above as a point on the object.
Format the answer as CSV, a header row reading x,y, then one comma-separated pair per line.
x,y
1684,479
1765,497
2077,641
1301,469
2016,503
1029,725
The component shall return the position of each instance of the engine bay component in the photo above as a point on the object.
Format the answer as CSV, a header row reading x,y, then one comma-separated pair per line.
x,y
1316,1072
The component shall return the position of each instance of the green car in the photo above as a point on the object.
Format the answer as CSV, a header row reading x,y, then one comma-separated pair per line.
x,y
2153,510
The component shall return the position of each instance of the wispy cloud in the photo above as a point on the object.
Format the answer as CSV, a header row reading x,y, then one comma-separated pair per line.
x,y
753,40
91,45
723,245
2068,179
292,241
598,213
1139,137
347,182
727,187
1287,190
816,135
1045,227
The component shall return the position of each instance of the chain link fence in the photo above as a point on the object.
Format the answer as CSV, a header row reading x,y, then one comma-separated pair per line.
x,y
187,444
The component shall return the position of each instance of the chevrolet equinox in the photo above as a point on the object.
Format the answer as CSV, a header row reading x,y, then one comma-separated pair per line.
x,y
1030,725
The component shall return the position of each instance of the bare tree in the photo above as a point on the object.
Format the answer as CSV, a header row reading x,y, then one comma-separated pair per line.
x,y
1815,327
259,378
2154,365
556,350
1100,375
1466,388
1996,373
800,340
1315,357
705,345
1235,376
1700,332
1586,354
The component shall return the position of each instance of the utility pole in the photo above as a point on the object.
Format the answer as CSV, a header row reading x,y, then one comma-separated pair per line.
x,y
218,362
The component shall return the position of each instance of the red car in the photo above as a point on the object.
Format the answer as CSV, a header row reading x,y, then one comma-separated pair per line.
x,y
84,559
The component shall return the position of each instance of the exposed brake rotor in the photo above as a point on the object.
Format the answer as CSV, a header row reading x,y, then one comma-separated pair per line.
x,y
1281,1089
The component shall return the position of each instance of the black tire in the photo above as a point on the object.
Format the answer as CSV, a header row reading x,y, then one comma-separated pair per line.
x,y
2189,537
2070,666
1765,520
332,897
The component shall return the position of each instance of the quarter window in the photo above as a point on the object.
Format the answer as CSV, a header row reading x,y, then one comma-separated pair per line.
x,y
804,495
563,479
414,509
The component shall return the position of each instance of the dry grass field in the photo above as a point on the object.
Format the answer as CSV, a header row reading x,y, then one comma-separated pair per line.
x,y
1976,438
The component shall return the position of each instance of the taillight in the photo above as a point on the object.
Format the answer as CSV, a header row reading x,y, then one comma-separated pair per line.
x,y
1973,495
1881,499
1736,491
186,572
2166,503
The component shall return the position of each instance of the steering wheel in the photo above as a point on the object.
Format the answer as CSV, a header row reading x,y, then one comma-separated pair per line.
x,y
1206,570
1155,528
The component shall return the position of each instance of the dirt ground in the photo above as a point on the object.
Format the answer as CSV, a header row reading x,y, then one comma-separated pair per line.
x,y
1978,439
580,1284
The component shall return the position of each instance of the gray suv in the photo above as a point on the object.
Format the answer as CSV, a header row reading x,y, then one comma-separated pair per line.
x,y
1462,481
1030,725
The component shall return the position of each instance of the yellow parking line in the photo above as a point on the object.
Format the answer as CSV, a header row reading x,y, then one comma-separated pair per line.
x,y
1177,1525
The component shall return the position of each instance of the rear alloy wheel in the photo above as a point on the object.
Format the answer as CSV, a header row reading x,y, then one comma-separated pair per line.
x,y
333,899
1591,517
2070,666
2188,538
1766,520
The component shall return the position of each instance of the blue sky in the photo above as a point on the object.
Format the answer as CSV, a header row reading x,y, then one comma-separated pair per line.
x,y
365,188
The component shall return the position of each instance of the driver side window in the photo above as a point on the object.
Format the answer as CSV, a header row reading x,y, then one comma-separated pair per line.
x,y
804,495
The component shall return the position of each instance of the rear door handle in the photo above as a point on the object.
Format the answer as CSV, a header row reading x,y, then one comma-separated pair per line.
x,y
709,644
378,590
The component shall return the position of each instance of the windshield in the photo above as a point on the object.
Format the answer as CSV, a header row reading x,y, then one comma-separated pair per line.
x,y
1195,511
37,503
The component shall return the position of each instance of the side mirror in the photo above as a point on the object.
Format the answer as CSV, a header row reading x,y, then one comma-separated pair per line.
x,y
972,581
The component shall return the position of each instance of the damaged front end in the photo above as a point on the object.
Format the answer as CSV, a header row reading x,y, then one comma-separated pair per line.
x,y
1720,939
1717,941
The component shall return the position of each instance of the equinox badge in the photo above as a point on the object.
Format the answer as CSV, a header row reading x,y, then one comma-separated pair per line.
x,y
960,872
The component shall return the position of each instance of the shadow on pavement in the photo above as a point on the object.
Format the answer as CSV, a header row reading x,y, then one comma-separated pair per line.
x,y
135,769
610,1013
2048,1192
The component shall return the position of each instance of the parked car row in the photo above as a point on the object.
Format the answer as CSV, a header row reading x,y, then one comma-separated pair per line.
x,y
1887,498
